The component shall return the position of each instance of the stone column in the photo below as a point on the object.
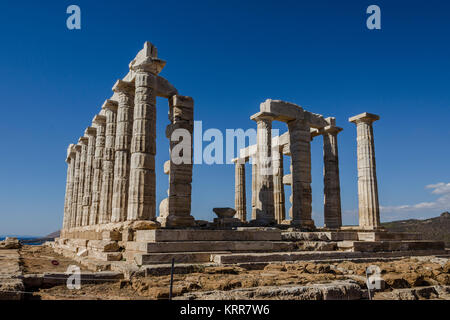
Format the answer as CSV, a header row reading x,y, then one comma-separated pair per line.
x,y
254,185
125,92
369,210
89,170
76,181
69,185
180,133
240,202
331,182
300,147
142,193
83,142
99,123
278,186
106,194
264,188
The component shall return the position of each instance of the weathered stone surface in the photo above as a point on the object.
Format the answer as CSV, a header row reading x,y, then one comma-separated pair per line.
x,y
10,243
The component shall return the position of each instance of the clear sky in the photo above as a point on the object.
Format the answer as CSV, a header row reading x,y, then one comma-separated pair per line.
x,y
229,56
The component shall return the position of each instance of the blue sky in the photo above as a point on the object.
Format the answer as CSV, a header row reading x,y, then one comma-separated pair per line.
x,y
229,56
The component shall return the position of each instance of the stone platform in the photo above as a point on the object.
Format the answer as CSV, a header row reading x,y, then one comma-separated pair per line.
x,y
142,248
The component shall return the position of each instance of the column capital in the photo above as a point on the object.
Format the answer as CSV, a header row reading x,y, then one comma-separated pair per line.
x,y
83,141
125,87
71,152
181,101
90,131
110,105
262,115
331,130
99,120
364,117
151,65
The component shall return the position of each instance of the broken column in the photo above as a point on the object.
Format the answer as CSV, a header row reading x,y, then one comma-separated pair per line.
x,y
69,185
142,193
240,202
180,133
331,181
369,211
264,186
83,142
106,193
124,132
300,148
99,122
278,186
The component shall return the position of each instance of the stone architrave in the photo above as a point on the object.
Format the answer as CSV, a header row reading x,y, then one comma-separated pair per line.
x,y
369,210
331,181
142,191
99,122
69,185
180,133
88,175
264,187
83,142
300,148
76,180
240,202
125,92
106,194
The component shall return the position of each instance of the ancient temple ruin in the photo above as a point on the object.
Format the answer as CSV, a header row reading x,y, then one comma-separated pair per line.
x,y
110,205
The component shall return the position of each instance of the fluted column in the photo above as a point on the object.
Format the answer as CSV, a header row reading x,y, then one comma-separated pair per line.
x,y
89,170
76,181
240,202
264,188
300,147
254,185
106,194
125,92
278,186
69,185
181,115
369,210
142,193
331,181
99,123
83,142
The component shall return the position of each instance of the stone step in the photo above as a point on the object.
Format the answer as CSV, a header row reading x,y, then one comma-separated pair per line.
x,y
378,246
202,246
167,235
313,256
380,236
161,258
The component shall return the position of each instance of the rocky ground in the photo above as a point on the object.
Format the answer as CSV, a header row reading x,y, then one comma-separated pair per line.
x,y
412,278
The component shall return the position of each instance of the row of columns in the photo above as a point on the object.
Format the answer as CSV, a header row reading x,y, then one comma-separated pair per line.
x,y
268,200
111,170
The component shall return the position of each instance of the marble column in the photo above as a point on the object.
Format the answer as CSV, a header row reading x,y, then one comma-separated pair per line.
x,y
142,192
83,142
76,181
240,202
278,186
369,210
300,148
264,187
181,115
99,122
90,133
254,185
106,194
69,185
331,181
125,92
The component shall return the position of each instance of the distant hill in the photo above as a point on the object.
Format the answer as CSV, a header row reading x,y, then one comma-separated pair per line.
x,y
49,237
437,228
